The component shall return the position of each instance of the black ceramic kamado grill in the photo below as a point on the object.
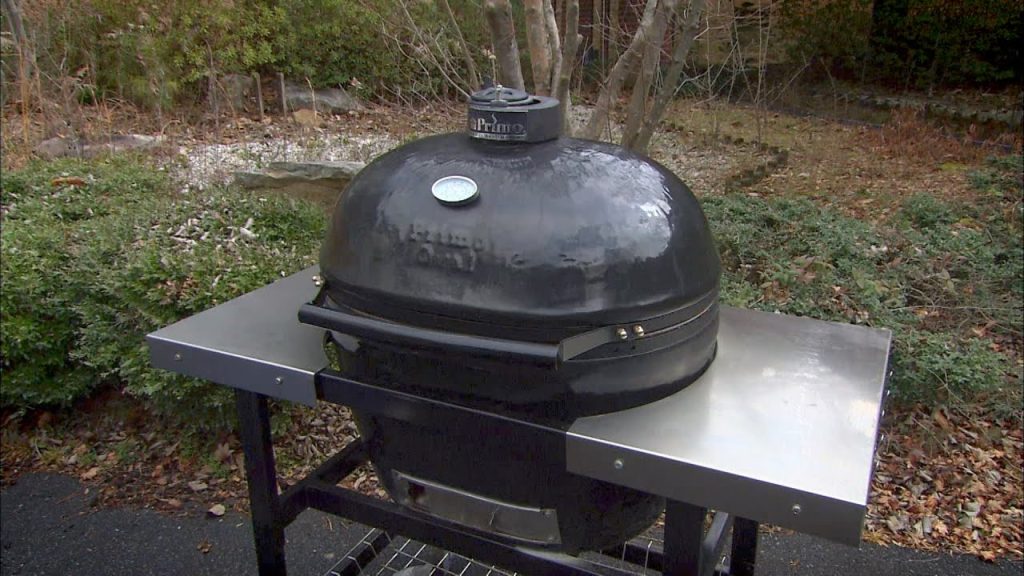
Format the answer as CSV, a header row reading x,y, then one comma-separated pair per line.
x,y
515,271
527,329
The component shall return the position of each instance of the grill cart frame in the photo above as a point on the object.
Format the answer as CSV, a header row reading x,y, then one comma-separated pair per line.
x,y
781,429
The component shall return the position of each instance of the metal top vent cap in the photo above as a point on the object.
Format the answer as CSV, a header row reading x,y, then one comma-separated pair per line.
x,y
509,115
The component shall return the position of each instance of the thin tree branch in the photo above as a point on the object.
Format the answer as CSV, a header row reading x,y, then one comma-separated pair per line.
x,y
572,45
26,56
668,88
613,29
652,58
467,56
617,77
424,46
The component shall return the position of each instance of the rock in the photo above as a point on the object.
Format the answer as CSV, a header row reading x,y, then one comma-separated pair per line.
x,y
317,181
236,89
304,117
286,172
120,143
64,146
335,100
59,147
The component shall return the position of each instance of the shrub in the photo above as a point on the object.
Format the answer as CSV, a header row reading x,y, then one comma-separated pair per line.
x,y
155,54
965,261
909,43
38,327
945,278
149,52
332,42
792,256
125,256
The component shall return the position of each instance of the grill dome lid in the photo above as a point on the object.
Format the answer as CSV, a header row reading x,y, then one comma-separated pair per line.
x,y
497,236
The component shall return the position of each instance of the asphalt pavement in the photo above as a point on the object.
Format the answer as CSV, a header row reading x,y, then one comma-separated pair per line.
x,y
49,527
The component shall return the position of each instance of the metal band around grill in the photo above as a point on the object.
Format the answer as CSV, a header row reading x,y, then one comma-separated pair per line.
x,y
582,343
360,324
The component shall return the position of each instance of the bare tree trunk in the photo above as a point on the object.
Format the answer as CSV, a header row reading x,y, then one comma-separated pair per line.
x,y
26,56
637,109
551,25
684,43
617,77
537,41
467,56
506,49
572,45
597,29
613,30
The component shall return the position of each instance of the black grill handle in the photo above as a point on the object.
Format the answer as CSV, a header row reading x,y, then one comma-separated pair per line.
x,y
435,340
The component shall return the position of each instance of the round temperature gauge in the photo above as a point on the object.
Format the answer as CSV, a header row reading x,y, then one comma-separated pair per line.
x,y
455,190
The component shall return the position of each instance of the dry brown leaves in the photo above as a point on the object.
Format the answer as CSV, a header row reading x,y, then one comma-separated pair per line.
x,y
314,435
865,171
122,464
126,456
949,481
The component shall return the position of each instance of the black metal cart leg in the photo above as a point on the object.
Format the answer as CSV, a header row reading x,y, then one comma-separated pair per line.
x,y
684,533
267,525
744,547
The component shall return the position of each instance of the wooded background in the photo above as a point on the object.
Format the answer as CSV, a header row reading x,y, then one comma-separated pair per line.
x,y
161,54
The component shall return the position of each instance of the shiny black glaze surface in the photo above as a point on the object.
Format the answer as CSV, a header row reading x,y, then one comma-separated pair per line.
x,y
565,234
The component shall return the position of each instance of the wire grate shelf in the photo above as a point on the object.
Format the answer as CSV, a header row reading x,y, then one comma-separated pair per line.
x,y
378,554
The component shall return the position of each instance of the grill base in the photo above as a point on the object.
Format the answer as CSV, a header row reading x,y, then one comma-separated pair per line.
x,y
688,548
520,471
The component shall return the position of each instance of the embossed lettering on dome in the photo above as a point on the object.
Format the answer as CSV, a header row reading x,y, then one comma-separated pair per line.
x,y
442,245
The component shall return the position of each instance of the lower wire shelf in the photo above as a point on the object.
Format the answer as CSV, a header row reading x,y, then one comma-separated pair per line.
x,y
380,554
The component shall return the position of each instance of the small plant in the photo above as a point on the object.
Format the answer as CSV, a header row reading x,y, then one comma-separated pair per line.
x,y
926,211
1002,177
127,451
87,458
930,367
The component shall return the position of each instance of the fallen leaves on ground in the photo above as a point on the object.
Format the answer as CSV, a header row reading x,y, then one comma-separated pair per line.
x,y
949,481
